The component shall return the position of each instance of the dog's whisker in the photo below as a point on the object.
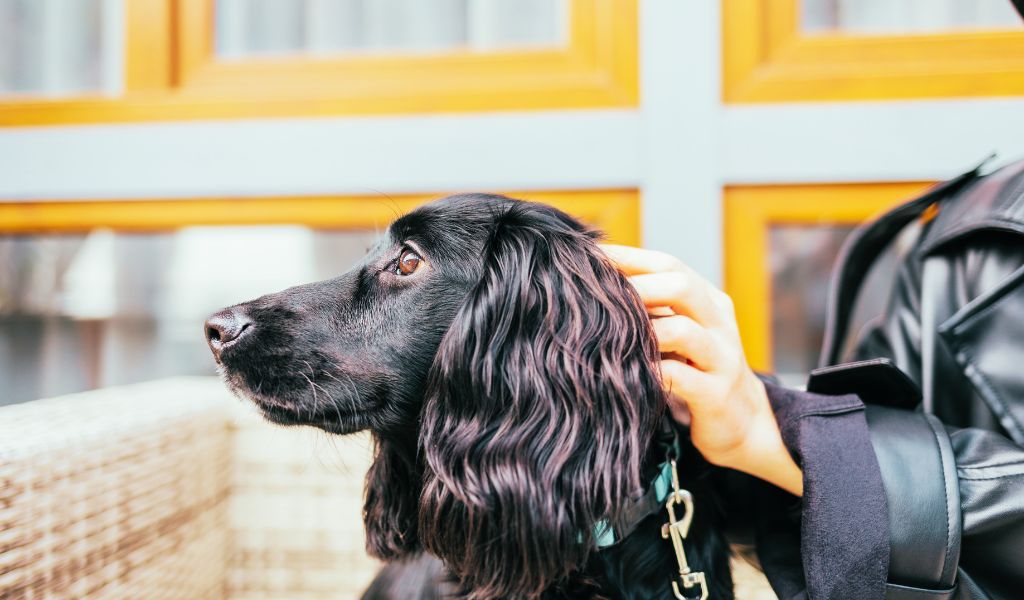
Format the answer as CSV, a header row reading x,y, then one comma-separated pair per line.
x,y
337,407
316,399
326,393
350,386
331,400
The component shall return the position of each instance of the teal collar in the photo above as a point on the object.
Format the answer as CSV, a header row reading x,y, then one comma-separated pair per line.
x,y
653,499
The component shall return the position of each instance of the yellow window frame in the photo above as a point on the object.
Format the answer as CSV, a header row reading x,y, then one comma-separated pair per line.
x,y
616,212
749,214
767,58
172,73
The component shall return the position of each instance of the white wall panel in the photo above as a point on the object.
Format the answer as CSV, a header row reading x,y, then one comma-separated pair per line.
x,y
594,149
680,111
868,141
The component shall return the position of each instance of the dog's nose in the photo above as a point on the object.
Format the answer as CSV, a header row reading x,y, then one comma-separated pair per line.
x,y
224,328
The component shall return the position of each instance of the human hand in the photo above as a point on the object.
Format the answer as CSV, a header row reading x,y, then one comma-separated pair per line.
x,y
704,369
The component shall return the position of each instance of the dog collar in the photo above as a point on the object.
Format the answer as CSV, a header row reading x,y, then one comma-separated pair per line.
x,y
663,491
653,500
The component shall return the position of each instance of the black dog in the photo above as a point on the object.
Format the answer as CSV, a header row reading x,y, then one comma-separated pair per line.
x,y
507,372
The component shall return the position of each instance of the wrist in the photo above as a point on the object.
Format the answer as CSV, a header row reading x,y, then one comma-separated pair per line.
x,y
768,458
763,453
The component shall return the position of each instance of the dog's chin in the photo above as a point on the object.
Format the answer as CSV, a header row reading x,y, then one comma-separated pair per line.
x,y
331,423
299,410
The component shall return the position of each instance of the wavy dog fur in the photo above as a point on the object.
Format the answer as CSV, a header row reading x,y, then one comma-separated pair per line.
x,y
515,412
539,410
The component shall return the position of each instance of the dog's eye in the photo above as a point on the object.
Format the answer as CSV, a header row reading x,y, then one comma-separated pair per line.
x,y
408,262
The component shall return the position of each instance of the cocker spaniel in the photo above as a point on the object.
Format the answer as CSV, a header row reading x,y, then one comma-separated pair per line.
x,y
508,374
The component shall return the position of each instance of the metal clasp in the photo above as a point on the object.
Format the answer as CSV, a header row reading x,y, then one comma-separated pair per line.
x,y
677,529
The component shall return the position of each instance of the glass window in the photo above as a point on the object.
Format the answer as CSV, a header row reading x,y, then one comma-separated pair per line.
x,y
801,261
246,28
60,47
79,312
906,16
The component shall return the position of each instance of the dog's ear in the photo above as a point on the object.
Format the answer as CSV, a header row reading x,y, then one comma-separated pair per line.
x,y
389,509
539,409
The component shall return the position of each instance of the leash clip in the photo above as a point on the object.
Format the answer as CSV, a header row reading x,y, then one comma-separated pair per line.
x,y
677,529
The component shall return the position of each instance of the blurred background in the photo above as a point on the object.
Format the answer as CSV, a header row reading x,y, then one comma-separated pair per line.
x,y
160,159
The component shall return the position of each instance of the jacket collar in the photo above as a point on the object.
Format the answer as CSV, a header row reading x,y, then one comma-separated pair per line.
x,y
996,204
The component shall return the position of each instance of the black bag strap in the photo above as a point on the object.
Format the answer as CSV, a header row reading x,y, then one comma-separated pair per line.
x,y
859,253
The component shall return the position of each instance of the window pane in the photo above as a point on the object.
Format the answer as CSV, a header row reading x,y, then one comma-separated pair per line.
x,y
801,260
79,312
907,16
60,47
246,28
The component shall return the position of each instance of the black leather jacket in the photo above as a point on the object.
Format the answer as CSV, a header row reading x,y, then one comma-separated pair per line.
x,y
947,521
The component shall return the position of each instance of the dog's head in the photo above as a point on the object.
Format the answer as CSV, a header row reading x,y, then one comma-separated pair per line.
x,y
505,366
353,353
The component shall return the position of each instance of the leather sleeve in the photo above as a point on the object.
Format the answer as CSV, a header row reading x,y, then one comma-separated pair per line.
x,y
990,470
955,506
895,506
918,467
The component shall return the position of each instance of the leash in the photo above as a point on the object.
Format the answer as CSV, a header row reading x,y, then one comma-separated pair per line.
x,y
677,530
666,492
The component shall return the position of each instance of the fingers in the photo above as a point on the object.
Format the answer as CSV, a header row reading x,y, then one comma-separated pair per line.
x,y
714,306
686,294
636,261
683,381
683,336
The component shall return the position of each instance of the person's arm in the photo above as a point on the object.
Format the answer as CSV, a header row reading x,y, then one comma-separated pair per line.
x,y
896,505
813,447
892,501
